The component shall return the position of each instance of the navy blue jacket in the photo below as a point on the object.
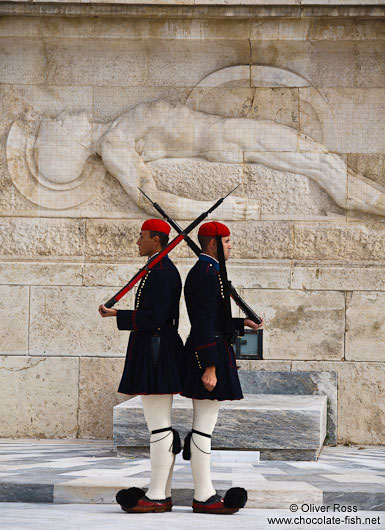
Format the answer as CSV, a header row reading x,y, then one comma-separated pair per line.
x,y
204,306
156,311
156,301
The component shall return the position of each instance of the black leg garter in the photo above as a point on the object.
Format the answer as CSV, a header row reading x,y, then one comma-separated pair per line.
x,y
187,444
176,445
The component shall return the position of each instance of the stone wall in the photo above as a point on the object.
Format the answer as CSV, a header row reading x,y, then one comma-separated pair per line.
x,y
313,267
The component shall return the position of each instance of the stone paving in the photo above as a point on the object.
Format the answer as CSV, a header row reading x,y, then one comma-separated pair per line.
x,y
80,471
22,516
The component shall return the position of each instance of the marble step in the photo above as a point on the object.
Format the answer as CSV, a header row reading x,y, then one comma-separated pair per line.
x,y
261,493
80,471
284,427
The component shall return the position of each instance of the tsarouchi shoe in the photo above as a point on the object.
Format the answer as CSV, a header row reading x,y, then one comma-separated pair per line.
x,y
134,500
234,499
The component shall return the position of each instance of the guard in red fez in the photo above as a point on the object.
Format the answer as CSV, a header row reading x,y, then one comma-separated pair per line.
x,y
210,372
152,367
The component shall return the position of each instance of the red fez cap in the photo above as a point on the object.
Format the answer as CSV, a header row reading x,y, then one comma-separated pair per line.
x,y
213,229
156,225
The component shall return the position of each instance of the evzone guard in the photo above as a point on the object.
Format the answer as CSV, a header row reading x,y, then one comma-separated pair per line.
x,y
210,372
152,366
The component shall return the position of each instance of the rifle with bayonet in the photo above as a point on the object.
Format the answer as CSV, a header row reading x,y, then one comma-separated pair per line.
x,y
196,249
183,234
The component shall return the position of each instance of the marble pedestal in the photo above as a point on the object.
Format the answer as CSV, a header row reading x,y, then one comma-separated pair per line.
x,y
279,426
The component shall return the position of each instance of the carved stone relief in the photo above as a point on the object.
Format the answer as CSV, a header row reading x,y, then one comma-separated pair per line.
x,y
55,168
65,161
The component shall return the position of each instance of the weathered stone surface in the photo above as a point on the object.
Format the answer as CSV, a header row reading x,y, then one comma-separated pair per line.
x,y
341,72
212,3
14,302
274,76
277,104
365,326
265,364
287,195
371,165
40,273
340,241
361,400
296,383
111,274
65,321
211,180
310,59
199,29
110,201
262,240
260,2
93,27
263,8
103,62
20,26
338,278
52,100
40,237
228,100
98,383
333,30
108,101
369,56
235,98
22,60
300,325
252,274
186,63
47,397
280,29
338,2
371,29
112,238
116,239
362,132
273,422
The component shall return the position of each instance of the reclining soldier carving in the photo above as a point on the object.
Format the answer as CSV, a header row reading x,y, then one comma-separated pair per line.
x,y
159,130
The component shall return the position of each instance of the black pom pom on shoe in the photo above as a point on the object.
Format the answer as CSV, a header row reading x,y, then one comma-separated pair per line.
x,y
235,498
129,498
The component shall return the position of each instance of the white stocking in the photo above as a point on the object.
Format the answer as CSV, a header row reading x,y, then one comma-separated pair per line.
x,y
205,418
169,480
157,411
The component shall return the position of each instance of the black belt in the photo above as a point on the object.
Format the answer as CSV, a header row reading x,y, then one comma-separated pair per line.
x,y
229,337
170,322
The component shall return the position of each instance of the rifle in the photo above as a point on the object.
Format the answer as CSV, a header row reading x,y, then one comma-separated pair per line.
x,y
194,247
155,259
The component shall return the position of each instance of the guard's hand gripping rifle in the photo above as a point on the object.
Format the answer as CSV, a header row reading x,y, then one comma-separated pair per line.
x,y
152,262
194,247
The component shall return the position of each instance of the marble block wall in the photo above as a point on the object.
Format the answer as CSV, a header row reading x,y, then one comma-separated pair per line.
x,y
292,98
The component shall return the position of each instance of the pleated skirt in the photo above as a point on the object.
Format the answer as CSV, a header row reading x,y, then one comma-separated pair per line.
x,y
140,376
228,386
